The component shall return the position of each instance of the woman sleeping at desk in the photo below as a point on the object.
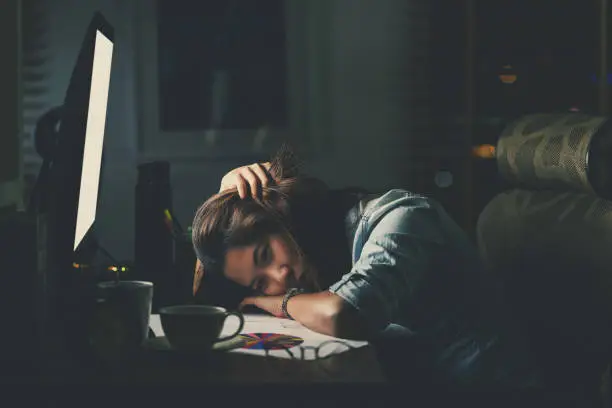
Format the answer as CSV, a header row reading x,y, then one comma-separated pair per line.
x,y
392,268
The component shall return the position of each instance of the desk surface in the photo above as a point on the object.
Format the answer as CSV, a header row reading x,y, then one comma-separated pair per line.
x,y
315,345
337,360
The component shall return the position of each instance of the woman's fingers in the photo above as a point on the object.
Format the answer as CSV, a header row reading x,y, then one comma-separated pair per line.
x,y
261,171
248,180
252,179
246,301
241,185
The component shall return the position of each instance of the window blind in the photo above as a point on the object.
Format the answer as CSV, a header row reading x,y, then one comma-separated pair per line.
x,y
36,79
10,183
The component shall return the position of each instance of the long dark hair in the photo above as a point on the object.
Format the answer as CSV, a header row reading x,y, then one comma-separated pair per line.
x,y
302,209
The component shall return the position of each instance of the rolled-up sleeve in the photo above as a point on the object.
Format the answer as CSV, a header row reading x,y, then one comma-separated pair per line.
x,y
395,256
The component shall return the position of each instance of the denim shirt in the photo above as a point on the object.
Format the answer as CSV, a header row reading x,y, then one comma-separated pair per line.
x,y
416,277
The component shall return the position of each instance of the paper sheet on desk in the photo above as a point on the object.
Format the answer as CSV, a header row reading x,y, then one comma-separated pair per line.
x,y
313,341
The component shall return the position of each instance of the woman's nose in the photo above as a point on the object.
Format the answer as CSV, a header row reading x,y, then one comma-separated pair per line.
x,y
276,279
279,273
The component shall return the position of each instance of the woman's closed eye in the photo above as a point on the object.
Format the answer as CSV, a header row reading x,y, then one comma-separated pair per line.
x,y
263,255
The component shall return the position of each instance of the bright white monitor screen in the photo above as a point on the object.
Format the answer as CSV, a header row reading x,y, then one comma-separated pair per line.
x,y
94,137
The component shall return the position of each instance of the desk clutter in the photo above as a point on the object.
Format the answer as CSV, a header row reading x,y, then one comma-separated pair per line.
x,y
198,341
264,349
269,336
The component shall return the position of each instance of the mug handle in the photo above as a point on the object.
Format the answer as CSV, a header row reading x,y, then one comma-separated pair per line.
x,y
240,325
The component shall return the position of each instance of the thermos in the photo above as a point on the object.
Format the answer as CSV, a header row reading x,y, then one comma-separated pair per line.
x,y
154,244
569,151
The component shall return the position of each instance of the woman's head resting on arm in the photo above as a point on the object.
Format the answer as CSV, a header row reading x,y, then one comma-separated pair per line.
x,y
256,242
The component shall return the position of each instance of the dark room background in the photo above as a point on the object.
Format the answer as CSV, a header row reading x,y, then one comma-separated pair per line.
x,y
375,93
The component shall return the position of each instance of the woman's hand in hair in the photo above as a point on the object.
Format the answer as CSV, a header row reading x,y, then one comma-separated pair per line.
x,y
248,180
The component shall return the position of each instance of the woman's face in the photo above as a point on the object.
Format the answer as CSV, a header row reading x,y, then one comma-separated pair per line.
x,y
270,267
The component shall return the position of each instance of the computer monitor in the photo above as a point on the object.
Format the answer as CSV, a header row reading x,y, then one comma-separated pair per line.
x,y
71,195
94,137
47,303
76,163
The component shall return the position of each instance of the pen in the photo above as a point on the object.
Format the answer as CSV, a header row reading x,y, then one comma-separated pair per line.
x,y
169,222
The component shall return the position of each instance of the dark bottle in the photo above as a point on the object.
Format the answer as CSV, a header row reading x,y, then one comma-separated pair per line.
x,y
154,244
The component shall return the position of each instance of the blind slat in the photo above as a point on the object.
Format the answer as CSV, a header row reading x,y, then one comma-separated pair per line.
x,y
36,77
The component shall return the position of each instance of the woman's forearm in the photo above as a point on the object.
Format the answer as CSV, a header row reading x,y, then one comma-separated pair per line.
x,y
327,313
316,311
322,312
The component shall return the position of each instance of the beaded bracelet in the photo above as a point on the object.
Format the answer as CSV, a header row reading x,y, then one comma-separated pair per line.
x,y
290,293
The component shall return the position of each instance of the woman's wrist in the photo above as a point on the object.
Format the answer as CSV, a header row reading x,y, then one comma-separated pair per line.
x,y
290,293
271,304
